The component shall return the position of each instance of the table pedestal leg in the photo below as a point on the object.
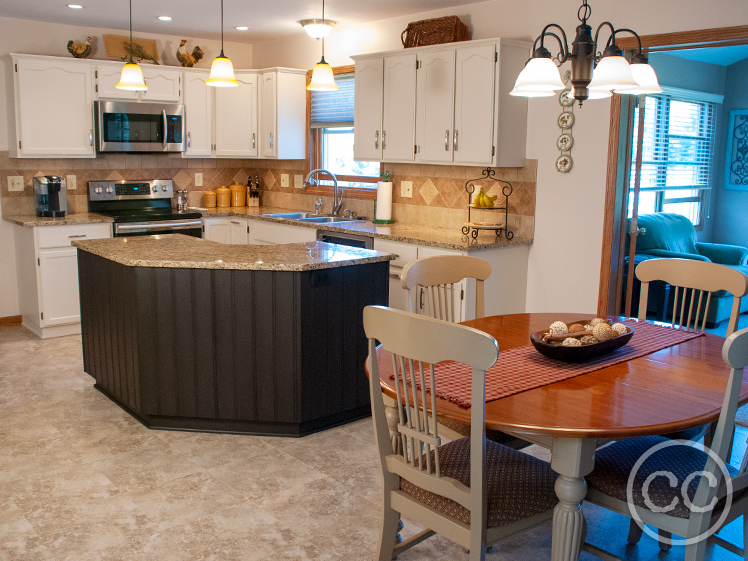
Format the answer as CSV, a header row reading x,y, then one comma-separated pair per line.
x,y
572,459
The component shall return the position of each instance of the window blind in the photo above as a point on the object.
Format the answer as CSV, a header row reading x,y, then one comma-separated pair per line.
x,y
678,144
333,109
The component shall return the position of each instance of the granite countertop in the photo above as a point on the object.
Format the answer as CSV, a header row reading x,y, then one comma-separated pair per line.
x,y
31,220
177,251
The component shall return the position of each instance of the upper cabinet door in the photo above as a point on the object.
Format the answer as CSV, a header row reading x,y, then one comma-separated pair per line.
x,y
435,106
107,77
367,118
399,108
236,118
198,114
268,113
474,119
54,108
164,84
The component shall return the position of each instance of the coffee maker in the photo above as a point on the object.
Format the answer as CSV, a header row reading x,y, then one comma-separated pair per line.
x,y
50,196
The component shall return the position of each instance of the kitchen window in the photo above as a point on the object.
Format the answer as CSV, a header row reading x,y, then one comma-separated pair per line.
x,y
331,135
677,152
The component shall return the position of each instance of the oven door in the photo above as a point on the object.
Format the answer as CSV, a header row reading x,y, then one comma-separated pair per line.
x,y
123,126
187,227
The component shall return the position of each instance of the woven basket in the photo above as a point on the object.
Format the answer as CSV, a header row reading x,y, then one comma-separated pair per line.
x,y
434,31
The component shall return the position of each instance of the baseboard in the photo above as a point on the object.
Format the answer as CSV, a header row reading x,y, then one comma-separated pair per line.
x,y
10,320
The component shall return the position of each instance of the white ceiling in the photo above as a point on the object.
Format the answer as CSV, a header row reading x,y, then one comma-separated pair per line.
x,y
266,19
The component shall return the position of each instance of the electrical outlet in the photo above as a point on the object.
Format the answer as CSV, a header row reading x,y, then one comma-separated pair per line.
x,y
298,181
284,180
198,180
15,183
406,189
71,182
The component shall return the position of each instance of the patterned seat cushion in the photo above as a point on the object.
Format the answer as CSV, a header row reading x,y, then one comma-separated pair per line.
x,y
495,435
517,485
614,463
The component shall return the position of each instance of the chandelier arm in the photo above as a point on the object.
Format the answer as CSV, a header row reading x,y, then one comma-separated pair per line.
x,y
611,38
563,45
634,33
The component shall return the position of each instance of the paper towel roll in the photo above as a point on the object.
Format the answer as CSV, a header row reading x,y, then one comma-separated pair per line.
x,y
384,200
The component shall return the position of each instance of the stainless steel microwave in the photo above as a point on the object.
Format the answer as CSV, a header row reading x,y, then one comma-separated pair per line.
x,y
130,126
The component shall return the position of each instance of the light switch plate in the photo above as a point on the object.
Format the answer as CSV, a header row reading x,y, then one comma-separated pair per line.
x,y
284,180
198,180
406,189
71,182
15,183
298,181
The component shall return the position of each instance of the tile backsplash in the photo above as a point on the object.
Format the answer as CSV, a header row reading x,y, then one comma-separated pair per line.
x,y
438,194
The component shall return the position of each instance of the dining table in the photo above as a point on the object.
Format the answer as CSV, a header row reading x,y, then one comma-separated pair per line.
x,y
677,387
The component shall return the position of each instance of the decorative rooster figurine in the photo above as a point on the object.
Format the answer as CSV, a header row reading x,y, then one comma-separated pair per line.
x,y
81,50
187,59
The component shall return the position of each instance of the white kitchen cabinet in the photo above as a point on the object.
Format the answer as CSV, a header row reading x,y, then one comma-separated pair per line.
x,y
236,118
405,254
164,83
230,230
282,113
262,232
47,268
435,94
198,114
384,124
53,101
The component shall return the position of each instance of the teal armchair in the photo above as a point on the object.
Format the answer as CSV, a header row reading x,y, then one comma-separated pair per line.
x,y
673,236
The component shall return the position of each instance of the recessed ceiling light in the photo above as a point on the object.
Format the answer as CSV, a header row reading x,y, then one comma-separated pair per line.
x,y
75,6
242,27
164,18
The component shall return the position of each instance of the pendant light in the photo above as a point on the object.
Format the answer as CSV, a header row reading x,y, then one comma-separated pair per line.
x,y
323,79
221,71
131,77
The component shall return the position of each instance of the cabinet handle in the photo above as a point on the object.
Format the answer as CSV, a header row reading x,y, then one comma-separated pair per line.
x,y
189,141
165,123
271,140
90,137
384,140
446,140
454,141
254,144
234,222
78,236
376,140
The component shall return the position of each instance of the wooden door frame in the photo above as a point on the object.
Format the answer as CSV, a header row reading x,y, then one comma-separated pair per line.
x,y
614,225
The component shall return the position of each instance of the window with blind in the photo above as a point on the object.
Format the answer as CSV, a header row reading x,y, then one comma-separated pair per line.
x,y
678,144
331,121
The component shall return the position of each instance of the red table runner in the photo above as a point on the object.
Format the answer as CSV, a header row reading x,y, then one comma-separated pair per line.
x,y
524,368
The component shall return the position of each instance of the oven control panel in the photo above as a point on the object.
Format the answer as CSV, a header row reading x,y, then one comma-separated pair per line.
x,y
127,189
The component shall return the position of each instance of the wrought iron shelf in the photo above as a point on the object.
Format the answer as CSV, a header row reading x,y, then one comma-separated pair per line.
x,y
471,229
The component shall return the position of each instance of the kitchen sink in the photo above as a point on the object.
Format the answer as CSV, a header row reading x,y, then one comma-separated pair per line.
x,y
290,215
320,219
310,217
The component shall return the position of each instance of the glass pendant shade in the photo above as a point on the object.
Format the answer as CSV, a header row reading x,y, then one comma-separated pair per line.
x,y
323,79
222,73
646,80
131,78
538,75
612,73
594,94
317,28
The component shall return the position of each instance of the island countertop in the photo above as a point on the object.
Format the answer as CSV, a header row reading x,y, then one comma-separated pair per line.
x,y
177,251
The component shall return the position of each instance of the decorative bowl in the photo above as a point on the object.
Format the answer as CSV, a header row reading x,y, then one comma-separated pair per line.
x,y
557,351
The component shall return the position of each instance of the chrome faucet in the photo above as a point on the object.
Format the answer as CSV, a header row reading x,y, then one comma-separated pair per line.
x,y
337,203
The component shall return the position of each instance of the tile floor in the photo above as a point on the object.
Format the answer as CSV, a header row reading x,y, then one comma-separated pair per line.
x,y
81,480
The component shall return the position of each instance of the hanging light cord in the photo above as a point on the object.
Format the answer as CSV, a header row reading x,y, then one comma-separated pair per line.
x,y
131,32
323,39
221,55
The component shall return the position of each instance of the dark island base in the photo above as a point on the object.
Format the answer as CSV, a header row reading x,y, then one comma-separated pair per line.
x,y
254,352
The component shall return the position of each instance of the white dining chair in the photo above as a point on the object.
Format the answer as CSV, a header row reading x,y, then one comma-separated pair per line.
x,y
472,491
675,466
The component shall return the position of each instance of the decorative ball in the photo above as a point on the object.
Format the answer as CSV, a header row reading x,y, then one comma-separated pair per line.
x,y
619,328
571,342
589,340
558,328
576,328
587,327
603,332
595,321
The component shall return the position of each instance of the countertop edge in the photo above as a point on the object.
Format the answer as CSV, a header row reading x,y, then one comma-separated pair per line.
x,y
28,221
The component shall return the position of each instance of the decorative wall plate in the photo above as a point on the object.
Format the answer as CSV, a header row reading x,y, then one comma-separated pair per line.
x,y
565,99
566,120
565,142
564,163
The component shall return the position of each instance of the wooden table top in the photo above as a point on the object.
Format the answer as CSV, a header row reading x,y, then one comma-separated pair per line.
x,y
672,389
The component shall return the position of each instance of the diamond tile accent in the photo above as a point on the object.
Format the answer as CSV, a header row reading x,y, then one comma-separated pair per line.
x,y
269,180
241,177
114,175
182,180
428,191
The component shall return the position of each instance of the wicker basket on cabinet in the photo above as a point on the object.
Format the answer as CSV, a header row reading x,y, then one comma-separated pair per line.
x,y
448,29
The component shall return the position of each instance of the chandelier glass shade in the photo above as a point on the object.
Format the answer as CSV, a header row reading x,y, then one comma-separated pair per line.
x,y
593,75
317,28
131,77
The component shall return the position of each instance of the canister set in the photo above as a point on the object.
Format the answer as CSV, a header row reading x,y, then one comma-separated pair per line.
x,y
234,195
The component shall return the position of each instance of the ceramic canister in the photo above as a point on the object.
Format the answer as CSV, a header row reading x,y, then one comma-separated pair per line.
x,y
223,196
238,194
209,199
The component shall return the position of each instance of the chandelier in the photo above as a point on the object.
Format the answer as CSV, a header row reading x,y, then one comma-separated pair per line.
x,y
593,75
